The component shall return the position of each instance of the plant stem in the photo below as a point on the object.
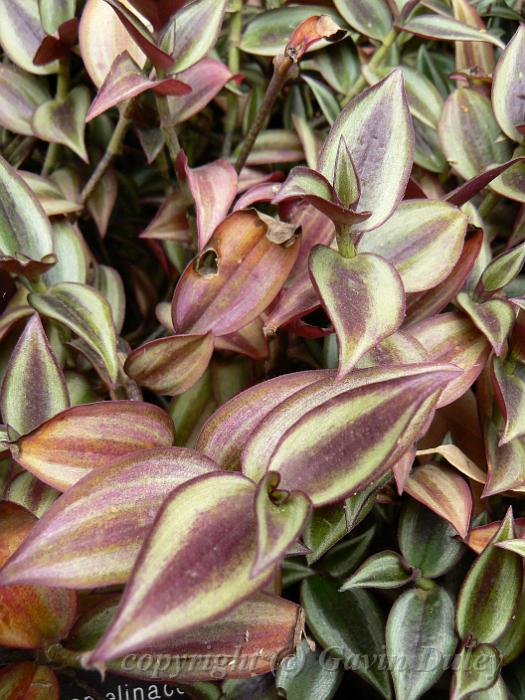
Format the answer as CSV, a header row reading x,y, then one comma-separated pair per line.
x,y
344,241
374,62
113,149
53,150
168,129
282,71
234,65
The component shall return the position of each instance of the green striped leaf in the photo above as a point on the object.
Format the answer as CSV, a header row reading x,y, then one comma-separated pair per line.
x,y
472,142
377,127
503,269
447,29
227,431
491,590
170,365
505,461
90,436
34,389
92,535
208,560
26,243
509,382
350,625
420,621
22,44
29,492
308,402
85,312
269,32
369,17
348,289
506,101
451,337
383,570
364,431
109,283
477,669
197,27
309,675
20,95
281,517
64,121
494,318
445,492
413,240
427,542
72,255
246,641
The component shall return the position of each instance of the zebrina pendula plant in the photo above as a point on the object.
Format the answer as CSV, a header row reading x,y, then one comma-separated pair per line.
x,y
333,399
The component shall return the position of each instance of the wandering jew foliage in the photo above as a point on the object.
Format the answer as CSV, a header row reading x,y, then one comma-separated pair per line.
x,y
262,361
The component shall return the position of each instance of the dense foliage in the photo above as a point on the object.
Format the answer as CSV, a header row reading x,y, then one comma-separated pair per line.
x,y
263,347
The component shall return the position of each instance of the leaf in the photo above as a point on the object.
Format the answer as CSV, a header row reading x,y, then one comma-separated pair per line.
x,y
427,542
347,289
469,189
20,95
63,121
92,535
31,616
284,419
71,252
109,284
420,630
505,461
309,675
494,318
86,313
21,34
212,564
477,669
413,240
506,100
443,491
126,80
26,245
325,98
453,338
503,269
310,32
170,365
382,570
458,459
53,13
247,271
421,306
100,49
197,28
246,641
29,492
510,390
281,517
373,117
269,32
469,54
350,625
158,12
447,29
141,36
206,78
347,429
226,432
90,436
274,146
34,389
26,681
369,17
49,194
491,590
102,200
213,188
472,142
